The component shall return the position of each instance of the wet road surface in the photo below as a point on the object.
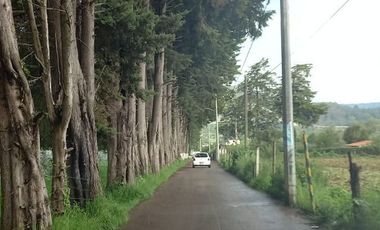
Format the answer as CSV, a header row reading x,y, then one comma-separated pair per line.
x,y
211,199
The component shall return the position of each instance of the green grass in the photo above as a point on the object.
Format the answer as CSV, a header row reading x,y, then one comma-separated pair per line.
x,y
110,210
332,192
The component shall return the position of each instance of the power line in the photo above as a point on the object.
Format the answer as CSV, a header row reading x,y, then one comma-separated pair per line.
x,y
329,19
321,26
246,57
252,39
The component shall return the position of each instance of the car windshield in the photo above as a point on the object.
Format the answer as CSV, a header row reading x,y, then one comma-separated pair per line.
x,y
201,155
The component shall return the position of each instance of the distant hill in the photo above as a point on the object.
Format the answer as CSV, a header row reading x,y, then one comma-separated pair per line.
x,y
344,114
374,105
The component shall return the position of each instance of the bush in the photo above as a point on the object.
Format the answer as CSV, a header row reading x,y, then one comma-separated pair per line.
x,y
357,133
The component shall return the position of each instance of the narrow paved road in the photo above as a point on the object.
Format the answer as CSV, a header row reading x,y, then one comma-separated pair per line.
x,y
211,199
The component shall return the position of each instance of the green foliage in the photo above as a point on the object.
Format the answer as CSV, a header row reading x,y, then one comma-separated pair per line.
x,y
110,210
327,138
306,112
261,91
265,105
103,132
338,114
357,133
334,204
132,27
210,38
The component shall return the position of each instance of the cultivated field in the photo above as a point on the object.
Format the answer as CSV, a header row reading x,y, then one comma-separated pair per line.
x,y
336,169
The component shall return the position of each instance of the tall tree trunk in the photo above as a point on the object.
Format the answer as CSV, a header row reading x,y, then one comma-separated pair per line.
x,y
113,106
131,140
155,128
84,170
58,91
165,140
58,94
141,123
124,158
169,122
121,158
175,122
24,205
156,151
183,134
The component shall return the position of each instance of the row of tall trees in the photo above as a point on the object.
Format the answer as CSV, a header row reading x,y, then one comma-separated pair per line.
x,y
135,76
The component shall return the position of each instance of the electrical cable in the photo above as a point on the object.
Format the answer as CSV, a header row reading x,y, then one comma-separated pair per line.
x,y
246,57
321,26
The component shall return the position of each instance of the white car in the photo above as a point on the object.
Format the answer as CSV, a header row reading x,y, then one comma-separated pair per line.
x,y
201,159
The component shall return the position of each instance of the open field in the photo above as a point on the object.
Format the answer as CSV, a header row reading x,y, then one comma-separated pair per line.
x,y
336,169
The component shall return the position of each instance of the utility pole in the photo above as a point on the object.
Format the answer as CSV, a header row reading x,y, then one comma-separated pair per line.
x,y
200,143
217,129
245,111
288,133
236,131
209,138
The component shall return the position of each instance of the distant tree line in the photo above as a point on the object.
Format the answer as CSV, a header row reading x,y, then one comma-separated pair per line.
x,y
338,114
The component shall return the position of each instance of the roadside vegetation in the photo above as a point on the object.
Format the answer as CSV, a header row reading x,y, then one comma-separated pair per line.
x,y
346,193
331,182
111,210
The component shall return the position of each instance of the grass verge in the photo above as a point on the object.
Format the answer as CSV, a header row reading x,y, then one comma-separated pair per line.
x,y
110,210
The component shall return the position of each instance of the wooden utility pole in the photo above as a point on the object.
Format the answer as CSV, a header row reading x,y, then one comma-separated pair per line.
x,y
245,111
274,157
236,131
308,171
289,152
200,143
257,165
209,138
355,190
217,129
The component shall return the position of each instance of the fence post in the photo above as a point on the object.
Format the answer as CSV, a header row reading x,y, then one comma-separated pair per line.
x,y
308,171
257,168
274,157
355,189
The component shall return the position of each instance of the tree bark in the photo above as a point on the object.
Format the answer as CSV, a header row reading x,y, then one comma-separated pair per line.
x,y
165,140
155,129
169,122
175,120
141,124
155,145
24,196
131,140
57,89
84,170
120,156
113,106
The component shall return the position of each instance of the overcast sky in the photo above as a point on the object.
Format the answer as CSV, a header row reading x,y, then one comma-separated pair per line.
x,y
345,53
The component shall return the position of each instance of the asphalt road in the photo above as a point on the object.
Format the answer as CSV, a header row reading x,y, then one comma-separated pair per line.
x,y
211,199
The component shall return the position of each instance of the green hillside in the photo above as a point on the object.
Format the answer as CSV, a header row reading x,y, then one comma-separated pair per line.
x,y
339,114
